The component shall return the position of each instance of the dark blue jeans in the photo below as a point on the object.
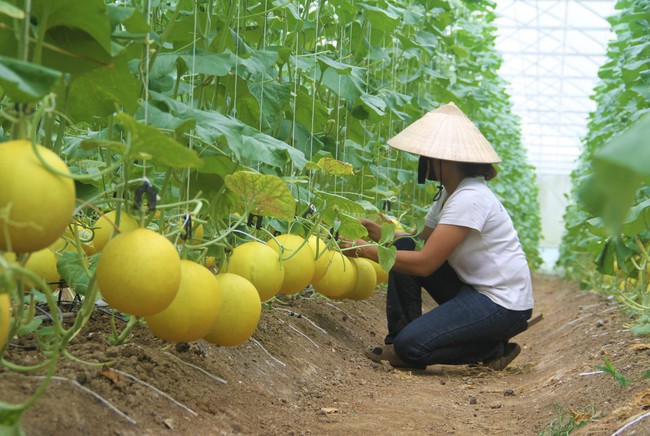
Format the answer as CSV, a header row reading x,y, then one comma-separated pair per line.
x,y
465,327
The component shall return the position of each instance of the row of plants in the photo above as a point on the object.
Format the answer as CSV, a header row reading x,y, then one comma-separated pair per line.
x,y
212,125
607,234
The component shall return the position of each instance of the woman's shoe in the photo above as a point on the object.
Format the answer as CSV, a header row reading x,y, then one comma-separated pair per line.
x,y
511,351
379,353
387,353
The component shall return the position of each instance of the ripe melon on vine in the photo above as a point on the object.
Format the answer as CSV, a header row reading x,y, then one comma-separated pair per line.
x,y
195,308
241,309
366,280
139,272
382,276
36,204
340,277
259,264
104,228
41,263
321,261
5,319
297,260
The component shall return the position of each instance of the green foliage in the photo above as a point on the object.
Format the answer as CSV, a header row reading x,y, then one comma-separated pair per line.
x,y
261,194
619,377
567,420
606,220
76,270
222,108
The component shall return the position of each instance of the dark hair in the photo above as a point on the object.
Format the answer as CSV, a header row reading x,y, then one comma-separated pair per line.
x,y
479,169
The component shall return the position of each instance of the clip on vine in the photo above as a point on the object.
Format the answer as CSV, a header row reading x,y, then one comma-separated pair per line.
x,y
145,188
258,221
187,227
334,230
387,205
310,211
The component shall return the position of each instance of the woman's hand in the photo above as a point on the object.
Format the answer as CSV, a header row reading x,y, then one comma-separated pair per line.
x,y
374,229
358,248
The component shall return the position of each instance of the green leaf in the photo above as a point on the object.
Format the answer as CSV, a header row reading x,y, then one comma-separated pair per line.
x,y
131,18
258,62
615,187
327,62
103,91
334,167
244,141
376,104
597,227
387,257
78,35
261,194
11,10
630,150
10,416
25,82
161,148
218,164
349,227
88,15
73,271
310,112
346,86
30,327
259,147
638,219
272,97
387,233
641,329
208,63
381,19
338,202
114,146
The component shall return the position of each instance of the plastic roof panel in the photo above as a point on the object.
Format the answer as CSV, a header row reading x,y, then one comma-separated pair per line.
x,y
552,50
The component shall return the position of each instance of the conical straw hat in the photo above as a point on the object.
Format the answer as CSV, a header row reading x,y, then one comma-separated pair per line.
x,y
446,133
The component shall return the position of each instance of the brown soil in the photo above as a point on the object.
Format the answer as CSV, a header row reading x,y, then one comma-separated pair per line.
x,y
304,373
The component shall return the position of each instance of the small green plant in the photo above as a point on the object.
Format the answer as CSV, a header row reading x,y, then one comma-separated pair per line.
x,y
568,420
620,378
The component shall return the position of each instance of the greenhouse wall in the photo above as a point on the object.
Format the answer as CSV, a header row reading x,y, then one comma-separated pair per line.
x,y
553,191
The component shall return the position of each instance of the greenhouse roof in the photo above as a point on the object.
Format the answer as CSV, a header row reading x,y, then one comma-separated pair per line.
x,y
552,50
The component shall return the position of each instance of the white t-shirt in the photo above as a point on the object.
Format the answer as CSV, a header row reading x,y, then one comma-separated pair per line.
x,y
490,258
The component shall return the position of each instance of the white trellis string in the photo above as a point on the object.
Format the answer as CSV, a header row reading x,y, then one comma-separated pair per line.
x,y
146,66
313,96
295,94
393,88
266,4
234,105
338,107
347,113
192,75
365,139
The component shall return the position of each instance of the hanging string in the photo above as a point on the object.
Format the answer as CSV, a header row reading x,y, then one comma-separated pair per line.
x,y
193,78
147,59
265,27
234,105
295,95
313,96
338,110
393,88
346,114
365,139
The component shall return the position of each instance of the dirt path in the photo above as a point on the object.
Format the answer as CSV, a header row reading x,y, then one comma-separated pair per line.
x,y
304,374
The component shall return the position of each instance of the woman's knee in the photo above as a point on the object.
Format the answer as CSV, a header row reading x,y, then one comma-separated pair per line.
x,y
404,244
407,348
